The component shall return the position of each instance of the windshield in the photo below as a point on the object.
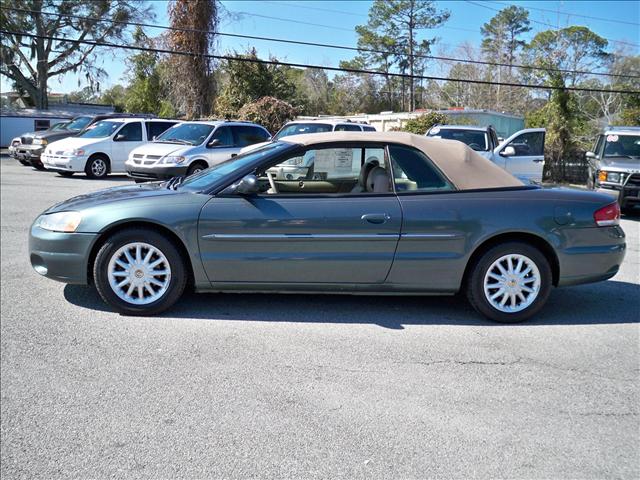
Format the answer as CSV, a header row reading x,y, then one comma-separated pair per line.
x,y
300,128
475,139
622,146
101,130
78,123
191,133
211,175
59,126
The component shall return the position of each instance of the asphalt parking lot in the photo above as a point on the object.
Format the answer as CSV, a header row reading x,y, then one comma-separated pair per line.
x,y
236,386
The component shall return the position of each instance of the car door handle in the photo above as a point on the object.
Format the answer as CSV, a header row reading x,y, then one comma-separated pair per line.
x,y
376,218
234,155
538,160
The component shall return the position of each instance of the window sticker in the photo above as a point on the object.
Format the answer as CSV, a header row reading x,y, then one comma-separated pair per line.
x,y
334,160
612,138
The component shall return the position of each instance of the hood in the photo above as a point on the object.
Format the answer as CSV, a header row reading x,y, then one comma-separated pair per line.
x,y
622,163
250,148
69,143
113,195
162,149
56,134
29,134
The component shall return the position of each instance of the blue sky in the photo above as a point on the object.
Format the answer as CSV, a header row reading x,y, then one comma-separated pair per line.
x,y
334,21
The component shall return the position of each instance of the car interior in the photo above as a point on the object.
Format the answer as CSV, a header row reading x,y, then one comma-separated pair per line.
x,y
351,171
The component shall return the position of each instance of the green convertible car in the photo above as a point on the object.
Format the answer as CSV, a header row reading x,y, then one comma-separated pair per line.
x,y
370,213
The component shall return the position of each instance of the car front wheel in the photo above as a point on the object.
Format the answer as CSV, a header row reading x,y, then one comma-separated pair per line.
x,y
510,283
97,167
139,272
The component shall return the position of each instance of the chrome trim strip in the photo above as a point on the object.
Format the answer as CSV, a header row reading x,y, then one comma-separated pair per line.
x,y
411,236
301,236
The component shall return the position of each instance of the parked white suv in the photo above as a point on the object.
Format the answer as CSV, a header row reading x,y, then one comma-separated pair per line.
x,y
190,147
103,147
300,127
522,154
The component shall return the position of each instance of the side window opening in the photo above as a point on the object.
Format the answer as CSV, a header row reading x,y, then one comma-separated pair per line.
x,y
531,143
413,171
131,132
225,136
329,171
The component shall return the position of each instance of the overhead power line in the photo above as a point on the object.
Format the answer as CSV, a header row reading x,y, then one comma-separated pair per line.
x,y
318,67
547,24
548,10
327,45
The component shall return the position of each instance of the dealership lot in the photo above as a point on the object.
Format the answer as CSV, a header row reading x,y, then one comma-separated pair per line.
x,y
308,386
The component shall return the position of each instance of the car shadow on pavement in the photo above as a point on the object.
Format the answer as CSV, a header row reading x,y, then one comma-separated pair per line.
x,y
609,302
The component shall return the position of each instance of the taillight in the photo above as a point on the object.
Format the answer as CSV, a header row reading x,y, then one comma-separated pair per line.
x,y
607,216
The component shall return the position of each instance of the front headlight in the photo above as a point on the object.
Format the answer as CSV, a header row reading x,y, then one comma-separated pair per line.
x,y
76,152
610,177
173,159
60,222
40,141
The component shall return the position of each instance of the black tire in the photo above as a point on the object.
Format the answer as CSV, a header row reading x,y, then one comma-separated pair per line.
x,y
38,166
97,167
66,174
629,211
177,282
475,282
24,162
196,167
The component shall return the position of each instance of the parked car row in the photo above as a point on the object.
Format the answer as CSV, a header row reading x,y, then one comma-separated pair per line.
x,y
148,148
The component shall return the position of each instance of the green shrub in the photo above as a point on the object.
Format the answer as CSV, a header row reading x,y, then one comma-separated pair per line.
x,y
421,124
269,112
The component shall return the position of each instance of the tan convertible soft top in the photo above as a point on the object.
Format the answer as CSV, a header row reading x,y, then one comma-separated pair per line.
x,y
464,167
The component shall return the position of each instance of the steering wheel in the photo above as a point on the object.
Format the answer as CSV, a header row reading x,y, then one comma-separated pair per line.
x,y
272,182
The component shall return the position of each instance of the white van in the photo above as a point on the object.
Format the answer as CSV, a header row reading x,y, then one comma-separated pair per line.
x,y
191,147
104,147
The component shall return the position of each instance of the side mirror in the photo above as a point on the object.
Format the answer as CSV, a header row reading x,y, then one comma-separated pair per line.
x,y
500,139
213,143
247,185
508,152
154,137
590,155
120,137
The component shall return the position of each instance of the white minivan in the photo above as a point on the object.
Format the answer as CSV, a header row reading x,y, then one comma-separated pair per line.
x,y
104,147
190,147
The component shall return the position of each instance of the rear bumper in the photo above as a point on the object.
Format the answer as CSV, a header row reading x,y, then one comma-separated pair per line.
x,y
61,256
596,256
156,173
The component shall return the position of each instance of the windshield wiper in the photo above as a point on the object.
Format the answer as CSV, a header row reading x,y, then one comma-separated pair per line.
x,y
177,140
174,182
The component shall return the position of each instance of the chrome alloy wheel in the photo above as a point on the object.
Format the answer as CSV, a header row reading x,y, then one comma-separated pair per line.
x,y
139,273
98,167
512,283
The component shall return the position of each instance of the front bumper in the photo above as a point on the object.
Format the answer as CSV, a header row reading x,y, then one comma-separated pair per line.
x,y
61,256
63,163
625,195
155,173
31,154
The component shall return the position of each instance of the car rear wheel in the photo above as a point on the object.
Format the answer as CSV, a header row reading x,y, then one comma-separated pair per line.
x,y
139,272
97,167
510,283
24,162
